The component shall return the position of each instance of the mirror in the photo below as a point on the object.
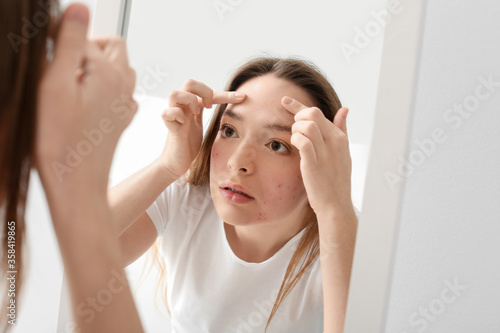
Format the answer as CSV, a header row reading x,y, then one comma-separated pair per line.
x,y
169,42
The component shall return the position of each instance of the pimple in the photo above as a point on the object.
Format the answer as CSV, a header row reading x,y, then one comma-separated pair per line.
x,y
261,216
279,185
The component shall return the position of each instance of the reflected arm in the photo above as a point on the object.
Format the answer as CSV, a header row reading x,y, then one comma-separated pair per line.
x,y
337,232
130,199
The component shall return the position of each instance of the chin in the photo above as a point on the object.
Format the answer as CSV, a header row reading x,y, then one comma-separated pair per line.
x,y
231,214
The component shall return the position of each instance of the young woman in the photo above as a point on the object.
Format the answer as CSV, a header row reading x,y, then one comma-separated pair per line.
x,y
256,220
49,104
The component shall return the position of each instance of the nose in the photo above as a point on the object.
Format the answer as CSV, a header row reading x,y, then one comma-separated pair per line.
x,y
242,161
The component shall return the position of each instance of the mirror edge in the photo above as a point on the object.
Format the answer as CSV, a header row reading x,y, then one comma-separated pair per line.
x,y
115,24
376,239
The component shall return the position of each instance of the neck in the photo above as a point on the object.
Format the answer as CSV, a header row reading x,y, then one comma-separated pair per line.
x,y
257,243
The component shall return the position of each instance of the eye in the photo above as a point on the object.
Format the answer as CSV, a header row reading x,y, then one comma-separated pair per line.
x,y
227,131
278,147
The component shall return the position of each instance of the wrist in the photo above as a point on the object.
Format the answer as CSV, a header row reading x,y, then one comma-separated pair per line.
x,y
339,223
335,209
70,205
75,194
164,174
73,179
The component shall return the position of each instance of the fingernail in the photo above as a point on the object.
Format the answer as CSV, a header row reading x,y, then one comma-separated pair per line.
x,y
77,13
287,100
239,94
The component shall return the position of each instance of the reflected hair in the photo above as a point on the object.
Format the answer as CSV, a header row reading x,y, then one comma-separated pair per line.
x,y
308,77
22,61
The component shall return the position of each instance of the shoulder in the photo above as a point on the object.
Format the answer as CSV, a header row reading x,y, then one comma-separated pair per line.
x,y
179,202
191,200
184,194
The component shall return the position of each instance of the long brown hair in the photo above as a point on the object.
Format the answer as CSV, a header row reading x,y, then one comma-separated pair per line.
x,y
308,77
25,26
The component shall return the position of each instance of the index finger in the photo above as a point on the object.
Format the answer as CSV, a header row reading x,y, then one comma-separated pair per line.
x,y
228,97
292,105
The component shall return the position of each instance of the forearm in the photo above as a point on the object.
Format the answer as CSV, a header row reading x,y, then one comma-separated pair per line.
x,y
337,232
129,199
100,294
96,276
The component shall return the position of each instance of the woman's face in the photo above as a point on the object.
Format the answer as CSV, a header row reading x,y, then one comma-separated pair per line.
x,y
254,170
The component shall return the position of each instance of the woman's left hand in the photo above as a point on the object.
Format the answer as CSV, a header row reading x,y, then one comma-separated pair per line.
x,y
325,161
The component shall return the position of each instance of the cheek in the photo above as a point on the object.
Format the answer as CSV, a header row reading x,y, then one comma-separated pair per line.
x,y
284,189
282,197
216,158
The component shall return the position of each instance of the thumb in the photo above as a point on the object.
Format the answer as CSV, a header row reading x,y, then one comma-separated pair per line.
x,y
71,40
341,119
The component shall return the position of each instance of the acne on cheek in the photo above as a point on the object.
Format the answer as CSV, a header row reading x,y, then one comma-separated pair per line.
x,y
278,195
215,156
281,192
261,216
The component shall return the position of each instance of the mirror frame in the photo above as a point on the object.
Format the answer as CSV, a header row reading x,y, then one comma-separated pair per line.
x,y
376,240
108,21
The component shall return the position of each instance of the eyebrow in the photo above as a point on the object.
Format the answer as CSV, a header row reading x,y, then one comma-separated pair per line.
x,y
231,114
273,127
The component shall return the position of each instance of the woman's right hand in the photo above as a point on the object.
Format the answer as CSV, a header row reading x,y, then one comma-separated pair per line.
x,y
85,102
184,120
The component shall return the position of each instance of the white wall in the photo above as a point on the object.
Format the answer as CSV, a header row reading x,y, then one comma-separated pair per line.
x,y
194,39
450,223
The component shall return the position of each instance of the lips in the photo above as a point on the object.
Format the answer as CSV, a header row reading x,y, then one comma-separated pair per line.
x,y
236,189
239,192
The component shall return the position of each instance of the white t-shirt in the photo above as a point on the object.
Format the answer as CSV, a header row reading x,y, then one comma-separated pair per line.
x,y
210,289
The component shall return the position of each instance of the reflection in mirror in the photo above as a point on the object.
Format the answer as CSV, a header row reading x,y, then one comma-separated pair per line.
x,y
207,41
230,275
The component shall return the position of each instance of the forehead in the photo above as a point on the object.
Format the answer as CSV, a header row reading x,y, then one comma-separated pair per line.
x,y
264,93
